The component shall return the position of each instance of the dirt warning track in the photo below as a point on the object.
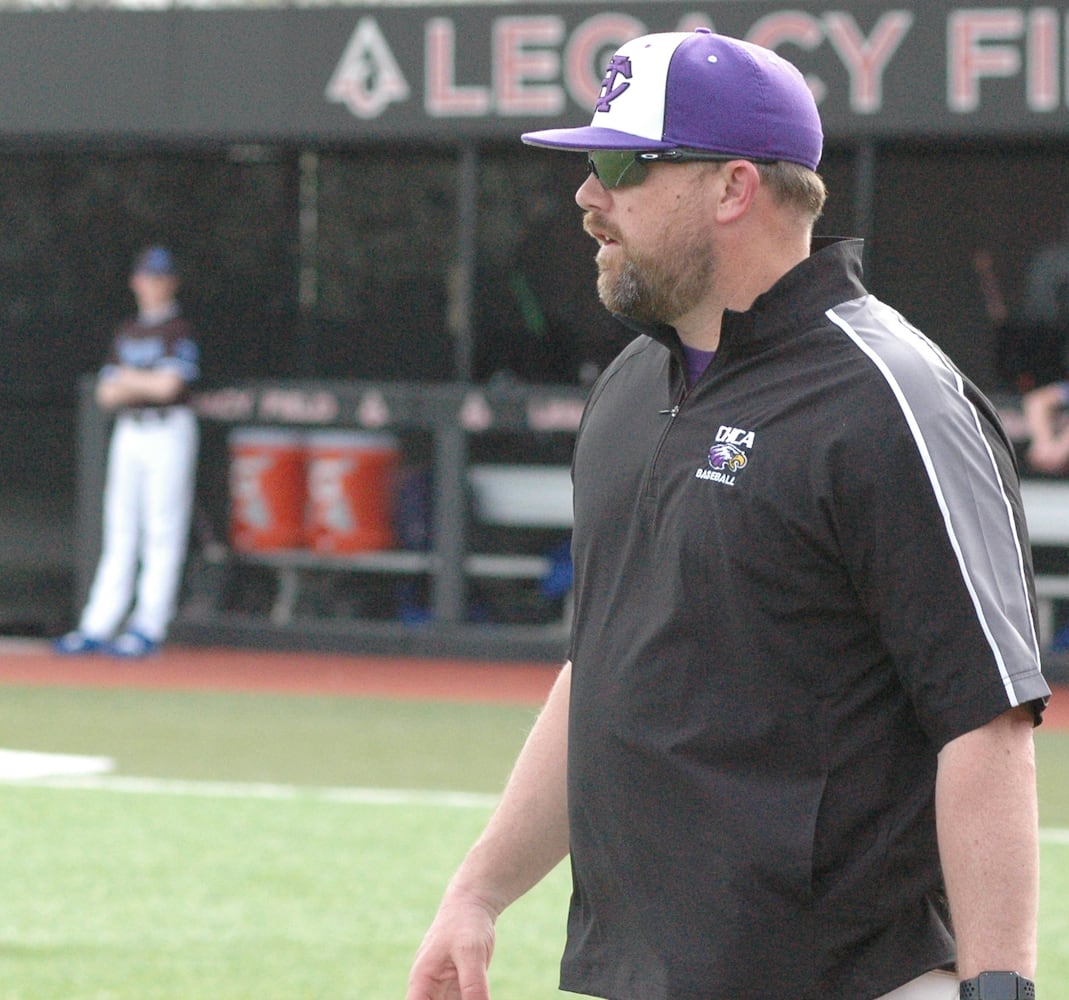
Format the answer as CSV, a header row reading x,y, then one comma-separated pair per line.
x,y
224,669
218,669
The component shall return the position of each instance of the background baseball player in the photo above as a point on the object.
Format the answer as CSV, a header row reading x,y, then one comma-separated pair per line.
x,y
148,492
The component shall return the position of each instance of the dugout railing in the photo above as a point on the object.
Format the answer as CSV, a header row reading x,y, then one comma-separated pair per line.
x,y
475,443
478,484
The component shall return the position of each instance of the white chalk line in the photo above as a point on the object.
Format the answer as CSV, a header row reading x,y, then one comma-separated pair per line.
x,y
258,790
82,776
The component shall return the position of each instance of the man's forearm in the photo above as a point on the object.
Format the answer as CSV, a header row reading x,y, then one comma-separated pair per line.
x,y
139,387
528,834
987,819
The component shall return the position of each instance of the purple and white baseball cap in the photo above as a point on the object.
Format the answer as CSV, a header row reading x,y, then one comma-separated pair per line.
x,y
699,90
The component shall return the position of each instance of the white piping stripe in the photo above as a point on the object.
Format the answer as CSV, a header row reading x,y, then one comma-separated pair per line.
x,y
1018,548
933,477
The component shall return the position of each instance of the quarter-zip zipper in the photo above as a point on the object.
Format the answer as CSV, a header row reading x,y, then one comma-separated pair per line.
x,y
649,492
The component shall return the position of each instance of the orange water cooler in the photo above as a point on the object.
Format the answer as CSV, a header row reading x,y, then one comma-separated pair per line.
x,y
351,481
268,489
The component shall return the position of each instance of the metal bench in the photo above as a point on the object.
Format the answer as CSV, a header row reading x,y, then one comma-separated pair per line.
x,y
509,496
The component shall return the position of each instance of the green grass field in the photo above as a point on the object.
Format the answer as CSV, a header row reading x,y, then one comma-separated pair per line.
x,y
264,858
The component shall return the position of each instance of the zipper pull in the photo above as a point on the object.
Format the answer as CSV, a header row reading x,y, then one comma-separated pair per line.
x,y
669,413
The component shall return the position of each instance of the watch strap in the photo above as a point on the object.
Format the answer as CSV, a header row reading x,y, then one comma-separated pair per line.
x,y
970,989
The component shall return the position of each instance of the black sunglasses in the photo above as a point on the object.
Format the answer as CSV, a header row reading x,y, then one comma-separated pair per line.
x,y
617,168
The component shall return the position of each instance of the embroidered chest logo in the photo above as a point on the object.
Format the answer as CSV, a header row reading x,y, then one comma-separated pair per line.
x,y
610,89
728,456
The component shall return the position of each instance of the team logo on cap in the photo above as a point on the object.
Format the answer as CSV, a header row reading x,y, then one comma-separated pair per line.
x,y
620,66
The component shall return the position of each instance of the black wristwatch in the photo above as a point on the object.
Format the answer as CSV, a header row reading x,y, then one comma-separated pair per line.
x,y
998,986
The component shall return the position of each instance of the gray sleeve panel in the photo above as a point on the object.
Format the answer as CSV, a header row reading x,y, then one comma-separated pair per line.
x,y
972,495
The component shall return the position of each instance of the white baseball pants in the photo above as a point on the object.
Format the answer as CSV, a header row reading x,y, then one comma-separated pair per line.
x,y
930,986
148,501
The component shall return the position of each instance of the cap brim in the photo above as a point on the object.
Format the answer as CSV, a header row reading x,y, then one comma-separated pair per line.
x,y
591,137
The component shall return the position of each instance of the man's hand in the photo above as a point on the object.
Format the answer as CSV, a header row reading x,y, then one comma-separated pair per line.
x,y
453,960
1048,456
526,837
1044,412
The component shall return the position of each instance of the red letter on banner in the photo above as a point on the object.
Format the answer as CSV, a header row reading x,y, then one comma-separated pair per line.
x,y
865,59
969,59
516,65
443,98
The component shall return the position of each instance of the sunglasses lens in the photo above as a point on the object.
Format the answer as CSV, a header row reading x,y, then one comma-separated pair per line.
x,y
616,168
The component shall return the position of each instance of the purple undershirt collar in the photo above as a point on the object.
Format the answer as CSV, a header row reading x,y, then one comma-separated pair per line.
x,y
697,362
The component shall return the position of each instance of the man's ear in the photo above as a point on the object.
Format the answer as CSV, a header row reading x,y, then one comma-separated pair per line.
x,y
740,181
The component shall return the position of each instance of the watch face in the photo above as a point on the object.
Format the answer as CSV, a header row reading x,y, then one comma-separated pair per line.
x,y
998,985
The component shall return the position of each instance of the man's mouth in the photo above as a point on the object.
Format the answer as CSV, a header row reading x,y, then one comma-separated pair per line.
x,y
595,228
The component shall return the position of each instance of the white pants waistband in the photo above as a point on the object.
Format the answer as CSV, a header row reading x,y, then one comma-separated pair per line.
x,y
930,986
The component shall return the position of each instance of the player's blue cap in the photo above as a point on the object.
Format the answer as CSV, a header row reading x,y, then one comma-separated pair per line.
x,y
155,260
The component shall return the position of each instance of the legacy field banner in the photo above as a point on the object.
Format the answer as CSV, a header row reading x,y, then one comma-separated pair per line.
x,y
356,73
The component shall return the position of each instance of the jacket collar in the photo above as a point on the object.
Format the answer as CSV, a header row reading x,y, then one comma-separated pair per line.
x,y
831,274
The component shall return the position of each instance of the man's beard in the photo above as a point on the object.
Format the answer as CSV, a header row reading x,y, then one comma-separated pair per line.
x,y
662,286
